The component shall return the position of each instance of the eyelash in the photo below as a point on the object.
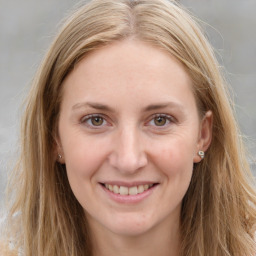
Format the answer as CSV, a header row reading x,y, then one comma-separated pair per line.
x,y
89,118
169,119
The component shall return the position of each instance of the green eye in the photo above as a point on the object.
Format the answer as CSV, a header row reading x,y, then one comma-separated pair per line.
x,y
160,121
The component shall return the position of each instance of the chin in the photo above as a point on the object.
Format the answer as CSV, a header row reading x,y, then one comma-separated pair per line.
x,y
130,230
129,225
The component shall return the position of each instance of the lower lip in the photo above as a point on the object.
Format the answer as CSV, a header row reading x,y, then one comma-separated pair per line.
x,y
129,199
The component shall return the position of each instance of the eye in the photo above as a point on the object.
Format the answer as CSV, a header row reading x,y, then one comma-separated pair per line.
x,y
97,120
94,121
161,120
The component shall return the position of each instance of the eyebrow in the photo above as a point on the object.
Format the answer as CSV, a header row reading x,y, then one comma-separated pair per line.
x,y
148,108
163,105
94,105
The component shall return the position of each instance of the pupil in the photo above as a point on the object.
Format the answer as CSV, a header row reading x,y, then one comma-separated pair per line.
x,y
97,121
159,121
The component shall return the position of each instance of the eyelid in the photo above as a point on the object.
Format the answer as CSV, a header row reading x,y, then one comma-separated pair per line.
x,y
85,118
164,115
170,118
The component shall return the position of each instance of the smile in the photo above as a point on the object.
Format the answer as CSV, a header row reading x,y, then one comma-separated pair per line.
x,y
123,190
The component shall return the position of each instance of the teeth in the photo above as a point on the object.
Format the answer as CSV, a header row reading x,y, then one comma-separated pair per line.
x,y
122,190
133,191
140,189
116,189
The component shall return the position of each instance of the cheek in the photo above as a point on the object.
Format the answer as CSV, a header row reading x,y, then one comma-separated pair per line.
x,y
82,158
84,155
175,157
176,164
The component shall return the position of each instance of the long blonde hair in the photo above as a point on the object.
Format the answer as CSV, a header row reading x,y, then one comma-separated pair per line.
x,y
218,210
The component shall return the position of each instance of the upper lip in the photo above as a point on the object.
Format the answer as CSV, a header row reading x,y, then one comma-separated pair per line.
x,y
128,184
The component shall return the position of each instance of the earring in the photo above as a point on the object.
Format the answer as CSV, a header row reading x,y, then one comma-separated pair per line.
x,y
201,154
60,156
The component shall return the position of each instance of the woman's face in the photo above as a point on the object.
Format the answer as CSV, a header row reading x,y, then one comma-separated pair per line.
x,y
129,134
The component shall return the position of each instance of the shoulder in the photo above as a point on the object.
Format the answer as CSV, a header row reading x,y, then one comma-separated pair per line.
x,y
5,250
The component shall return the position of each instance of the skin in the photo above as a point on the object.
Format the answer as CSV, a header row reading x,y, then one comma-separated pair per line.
x,y
145,128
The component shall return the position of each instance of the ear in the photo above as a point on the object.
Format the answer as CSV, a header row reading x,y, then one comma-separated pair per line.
x,y
204,136
59,151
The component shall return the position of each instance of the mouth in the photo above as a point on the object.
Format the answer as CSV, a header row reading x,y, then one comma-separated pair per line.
x,y
128,191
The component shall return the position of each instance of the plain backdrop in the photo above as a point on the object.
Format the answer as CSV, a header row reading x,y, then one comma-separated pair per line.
x,y
28,26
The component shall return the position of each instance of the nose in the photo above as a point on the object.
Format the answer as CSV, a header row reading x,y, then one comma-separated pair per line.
x,y
128,154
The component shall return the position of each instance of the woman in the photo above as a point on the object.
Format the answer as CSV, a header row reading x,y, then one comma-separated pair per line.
x,y
129,145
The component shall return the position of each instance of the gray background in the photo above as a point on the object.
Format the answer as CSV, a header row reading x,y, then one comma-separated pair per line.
x,y
27,27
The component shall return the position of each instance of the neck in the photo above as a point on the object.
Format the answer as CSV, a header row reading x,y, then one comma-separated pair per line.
x,y
155,242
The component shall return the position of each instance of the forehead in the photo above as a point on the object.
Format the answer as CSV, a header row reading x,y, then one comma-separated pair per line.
x,y
129,68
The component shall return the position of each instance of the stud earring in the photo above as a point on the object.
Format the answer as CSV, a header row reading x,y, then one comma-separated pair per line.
x,y
201,154
60,156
